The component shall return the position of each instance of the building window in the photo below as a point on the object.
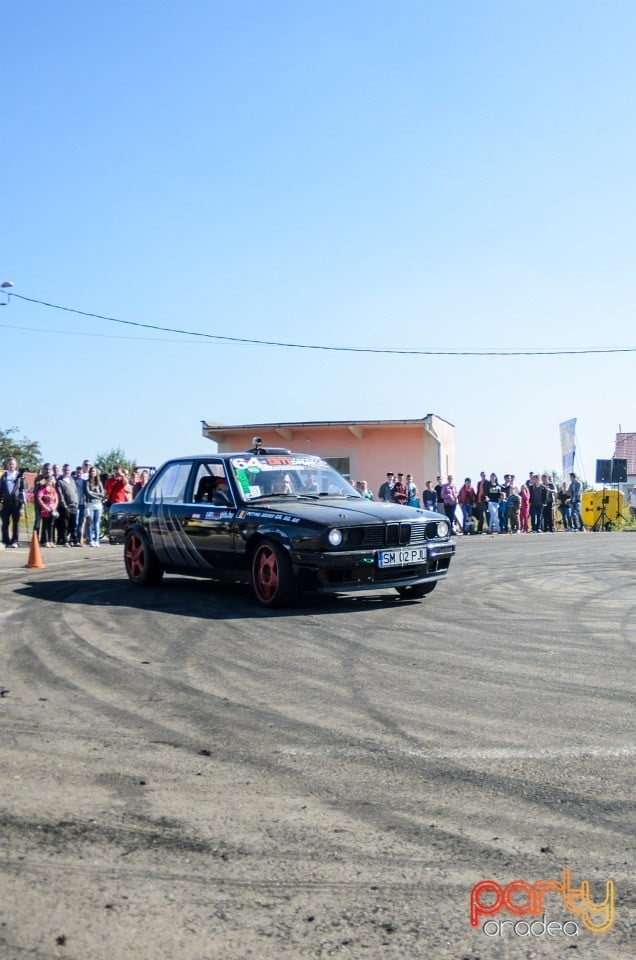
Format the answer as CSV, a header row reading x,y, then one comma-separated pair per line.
x,y
341,464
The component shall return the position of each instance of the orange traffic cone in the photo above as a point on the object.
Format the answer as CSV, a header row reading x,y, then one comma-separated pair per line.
x,y
35,557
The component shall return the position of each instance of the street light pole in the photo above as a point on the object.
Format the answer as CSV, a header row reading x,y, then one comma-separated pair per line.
x,y
5,286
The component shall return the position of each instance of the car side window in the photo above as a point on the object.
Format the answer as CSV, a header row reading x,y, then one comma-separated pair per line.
x,y
170,485
210,484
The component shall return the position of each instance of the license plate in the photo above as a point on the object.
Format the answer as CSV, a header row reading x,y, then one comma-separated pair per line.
x,y
399,558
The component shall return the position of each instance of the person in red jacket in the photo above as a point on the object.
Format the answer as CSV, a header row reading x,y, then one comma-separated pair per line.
x,y
467,499
481,504
400,490
117,487
48,501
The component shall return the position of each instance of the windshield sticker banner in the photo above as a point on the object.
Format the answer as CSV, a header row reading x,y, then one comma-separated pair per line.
x,y
258,464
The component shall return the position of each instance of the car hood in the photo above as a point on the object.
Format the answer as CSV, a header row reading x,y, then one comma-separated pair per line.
x,y
340,512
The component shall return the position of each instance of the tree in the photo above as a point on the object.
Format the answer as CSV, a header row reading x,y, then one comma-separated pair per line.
x,y
26,452
105,462
559,478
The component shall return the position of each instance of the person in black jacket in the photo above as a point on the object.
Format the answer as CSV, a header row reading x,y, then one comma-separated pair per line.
x,y
481,501
563,500
538,496
68,508
494,494
547,517
386,489
12,498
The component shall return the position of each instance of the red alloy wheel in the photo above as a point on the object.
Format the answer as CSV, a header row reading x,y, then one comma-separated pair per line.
x,y
265,573
272,580
134,556
142,566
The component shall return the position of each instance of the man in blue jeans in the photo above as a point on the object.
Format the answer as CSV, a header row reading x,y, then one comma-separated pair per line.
x,y
574,490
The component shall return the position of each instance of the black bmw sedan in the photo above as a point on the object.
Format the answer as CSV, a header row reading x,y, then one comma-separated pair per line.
x,y
284,522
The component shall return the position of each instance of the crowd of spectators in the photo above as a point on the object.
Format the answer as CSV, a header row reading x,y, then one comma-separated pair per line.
x,y
69,503
491,506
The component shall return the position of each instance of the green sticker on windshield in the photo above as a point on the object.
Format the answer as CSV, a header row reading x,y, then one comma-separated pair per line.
x,y
241,476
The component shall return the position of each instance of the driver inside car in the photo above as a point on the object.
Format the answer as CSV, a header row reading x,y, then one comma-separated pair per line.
x,y
282,485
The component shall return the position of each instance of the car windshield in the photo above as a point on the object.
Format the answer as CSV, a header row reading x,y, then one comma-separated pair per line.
x,y
288,476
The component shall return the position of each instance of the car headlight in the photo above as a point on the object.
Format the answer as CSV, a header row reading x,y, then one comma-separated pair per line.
x,y
335,537
442,529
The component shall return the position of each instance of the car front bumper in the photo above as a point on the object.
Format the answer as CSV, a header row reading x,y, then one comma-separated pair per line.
x,y
359,570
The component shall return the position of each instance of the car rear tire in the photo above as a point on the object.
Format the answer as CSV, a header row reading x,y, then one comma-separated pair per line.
x,y
272,579
417,591
142,566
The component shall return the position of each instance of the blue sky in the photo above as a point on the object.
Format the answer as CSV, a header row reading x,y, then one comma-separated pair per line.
x,y
412,175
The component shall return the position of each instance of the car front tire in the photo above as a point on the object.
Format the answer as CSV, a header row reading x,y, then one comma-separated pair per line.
x,y
272,579
142,566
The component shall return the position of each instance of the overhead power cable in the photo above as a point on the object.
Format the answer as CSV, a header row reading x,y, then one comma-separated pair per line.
x,y
312,346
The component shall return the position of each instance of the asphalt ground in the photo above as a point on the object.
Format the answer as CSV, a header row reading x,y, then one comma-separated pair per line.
x,y
186,775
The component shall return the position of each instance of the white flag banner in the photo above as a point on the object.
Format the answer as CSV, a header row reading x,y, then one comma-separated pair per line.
x,y
568,445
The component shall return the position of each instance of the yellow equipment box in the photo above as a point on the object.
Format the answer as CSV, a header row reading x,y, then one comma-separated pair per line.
x,y
592,503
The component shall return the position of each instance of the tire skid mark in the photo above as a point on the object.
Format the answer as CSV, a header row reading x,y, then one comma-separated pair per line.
x,y
352,785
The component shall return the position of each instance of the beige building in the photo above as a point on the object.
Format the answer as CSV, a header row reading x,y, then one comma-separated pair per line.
x,y
359,449
625,449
